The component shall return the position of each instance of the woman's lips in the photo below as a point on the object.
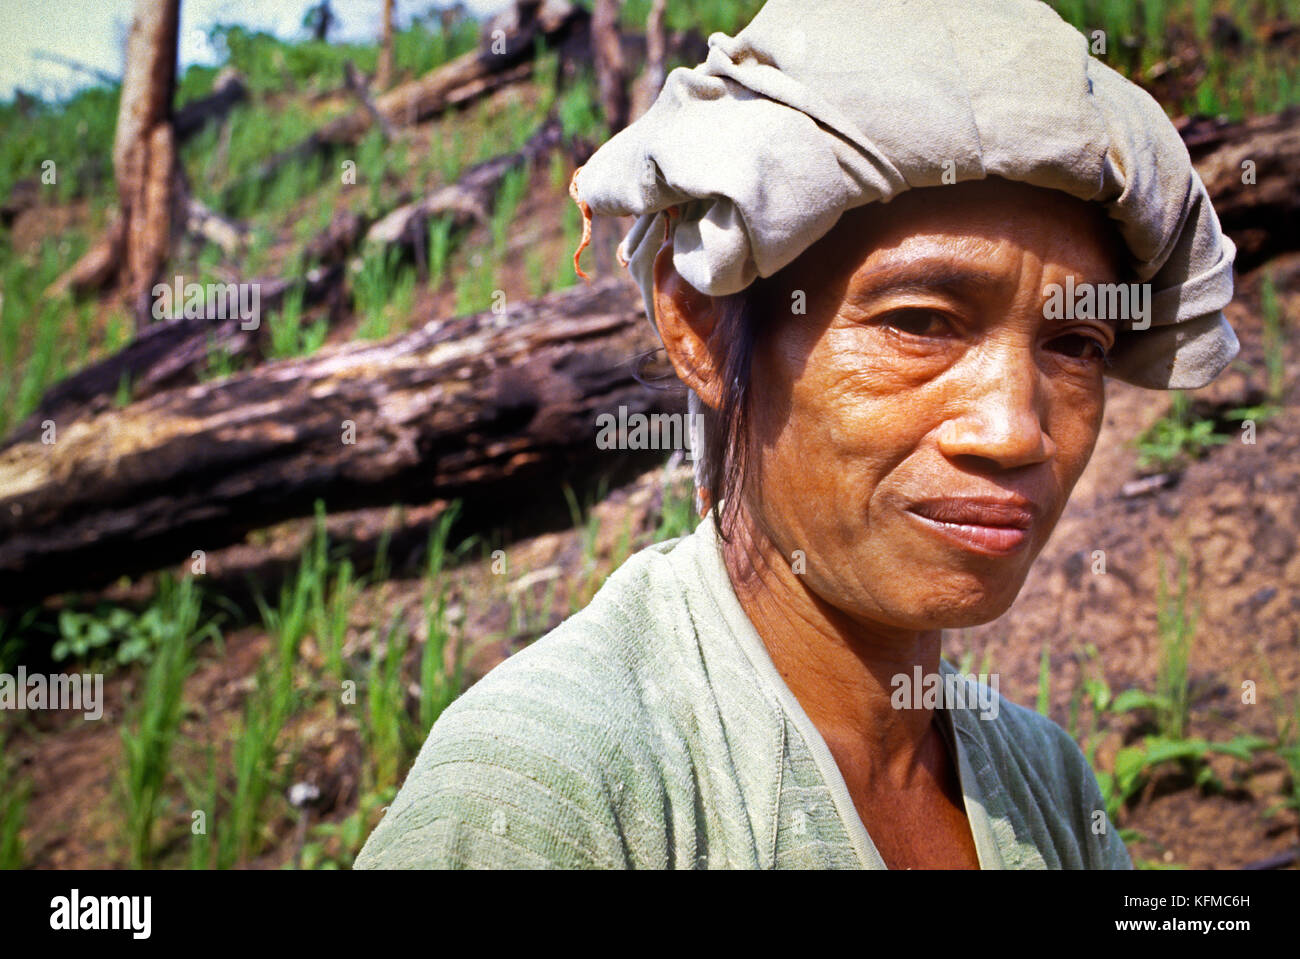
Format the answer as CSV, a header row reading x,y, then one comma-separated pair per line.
x,y
997,527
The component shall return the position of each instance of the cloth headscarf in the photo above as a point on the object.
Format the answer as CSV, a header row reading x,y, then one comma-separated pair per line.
x,y
820,106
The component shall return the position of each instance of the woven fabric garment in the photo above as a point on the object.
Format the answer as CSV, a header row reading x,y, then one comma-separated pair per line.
x,y
652,730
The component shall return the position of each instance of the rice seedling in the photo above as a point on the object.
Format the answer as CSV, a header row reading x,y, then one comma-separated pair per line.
x,y
383,729
1176,626
15,792
438,688
154,719
440,247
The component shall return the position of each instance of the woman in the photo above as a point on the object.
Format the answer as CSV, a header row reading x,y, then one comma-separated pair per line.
x,y
858,227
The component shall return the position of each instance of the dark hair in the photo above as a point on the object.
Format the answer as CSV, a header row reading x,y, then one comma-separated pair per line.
x,y
742,317
742,320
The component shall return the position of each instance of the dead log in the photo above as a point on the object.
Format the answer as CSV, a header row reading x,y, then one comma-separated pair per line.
x,y
168,354
505,57
1252,172
652,77
467,200
488,408
356,84
227,92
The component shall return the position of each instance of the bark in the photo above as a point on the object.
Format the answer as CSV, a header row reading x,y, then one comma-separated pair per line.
x,y
487,408
656,59
384,70
1252,172
611,70
144,149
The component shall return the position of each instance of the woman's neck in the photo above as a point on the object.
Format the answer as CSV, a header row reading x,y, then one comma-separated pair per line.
x,y
840,669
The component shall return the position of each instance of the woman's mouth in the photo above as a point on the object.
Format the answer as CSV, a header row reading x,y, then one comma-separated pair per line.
x,y
997,527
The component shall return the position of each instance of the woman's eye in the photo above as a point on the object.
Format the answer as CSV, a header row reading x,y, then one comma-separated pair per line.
x,y
916,322
1079,346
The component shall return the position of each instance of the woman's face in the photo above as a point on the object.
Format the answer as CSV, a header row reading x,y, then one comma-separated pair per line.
x,y
918,428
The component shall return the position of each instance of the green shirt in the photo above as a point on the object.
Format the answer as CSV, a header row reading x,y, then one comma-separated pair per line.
x,y
651,730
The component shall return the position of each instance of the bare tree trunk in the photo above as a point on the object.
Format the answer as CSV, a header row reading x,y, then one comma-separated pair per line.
x,y
607,51
144,151
321,18
384,72
656,58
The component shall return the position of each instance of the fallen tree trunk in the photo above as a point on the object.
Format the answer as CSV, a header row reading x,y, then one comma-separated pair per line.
x,y
170,353
505,57
167,354
485,408
469,199
1252,172
228,91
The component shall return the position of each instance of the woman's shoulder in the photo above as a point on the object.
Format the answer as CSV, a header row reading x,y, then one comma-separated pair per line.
x,y
530,766
1038,764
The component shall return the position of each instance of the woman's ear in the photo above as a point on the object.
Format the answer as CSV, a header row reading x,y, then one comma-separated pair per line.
x,y
686,319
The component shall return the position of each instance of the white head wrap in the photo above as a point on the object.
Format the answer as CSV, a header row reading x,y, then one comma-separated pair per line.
x,y
818,107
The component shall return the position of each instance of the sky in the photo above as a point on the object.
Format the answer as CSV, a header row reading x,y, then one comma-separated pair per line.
x,y
93,32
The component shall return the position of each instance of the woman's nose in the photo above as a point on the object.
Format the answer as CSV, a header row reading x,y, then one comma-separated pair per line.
x,y
1002,413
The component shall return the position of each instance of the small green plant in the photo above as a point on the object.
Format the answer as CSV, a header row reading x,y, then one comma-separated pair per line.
x,y
1176,625
289,337
440,246
221,361
381,279
1176,437
383,730
154,719
1274,338
15,792
336,845
1044,704
587,523
677,510
438,688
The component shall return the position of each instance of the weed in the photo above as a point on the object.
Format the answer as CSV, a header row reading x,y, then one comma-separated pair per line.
x,y
154,719
15,791
1175,437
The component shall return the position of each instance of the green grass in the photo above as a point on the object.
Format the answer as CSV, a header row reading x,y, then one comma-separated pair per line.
x,y
438,688
705,16
40,337
289,336
15,791
1176,437
154,718
1274,338
1176,625
677,510
440,247
77,134
383,292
